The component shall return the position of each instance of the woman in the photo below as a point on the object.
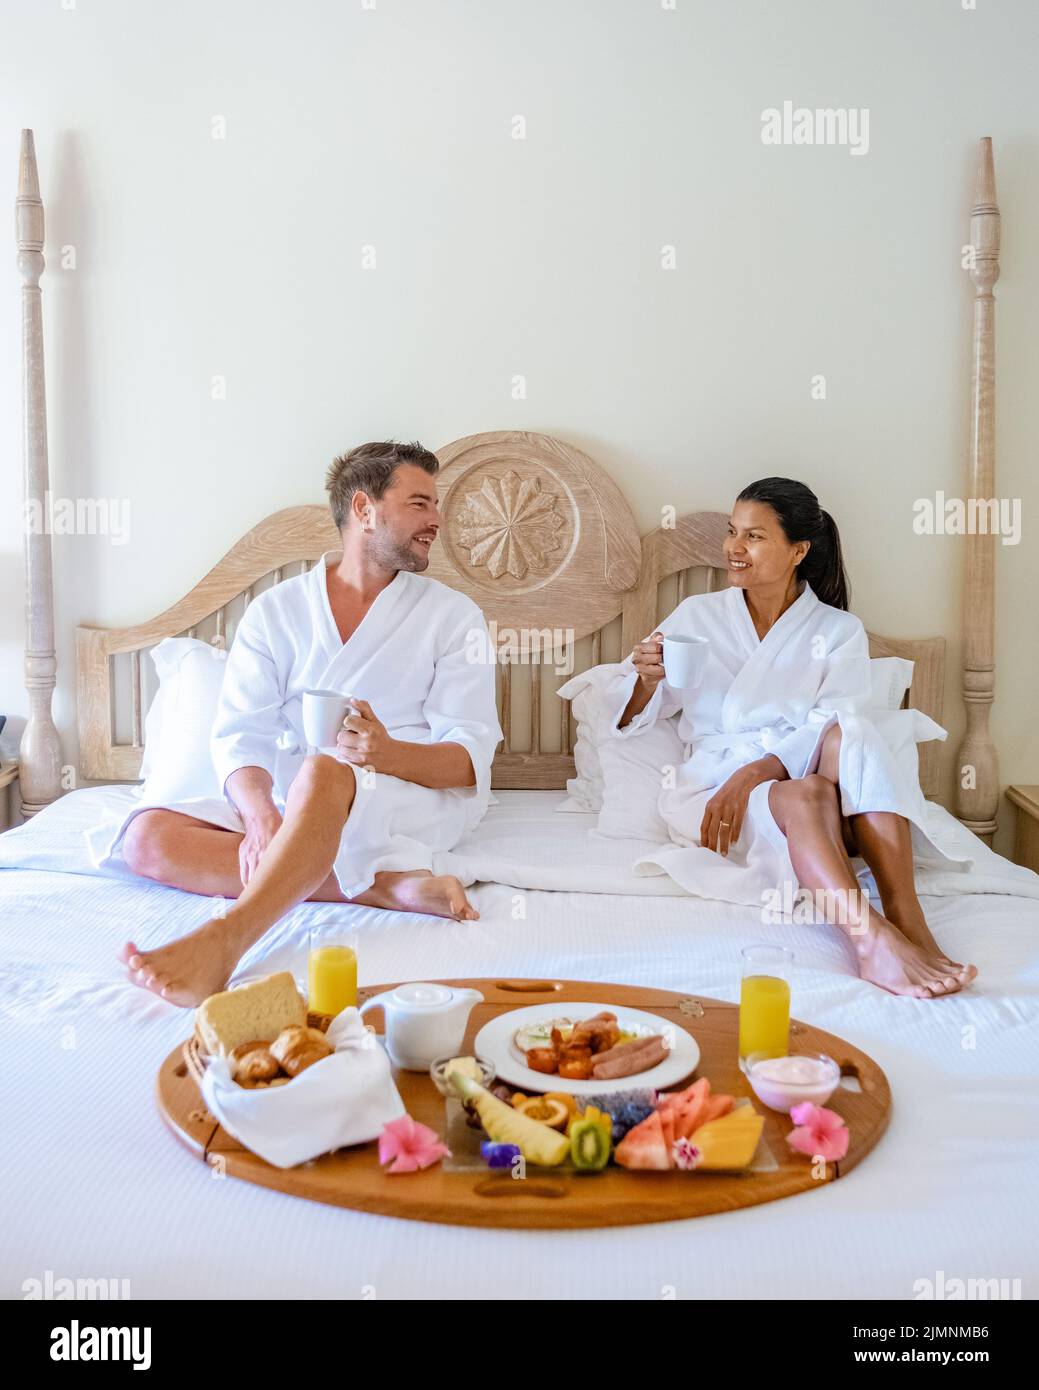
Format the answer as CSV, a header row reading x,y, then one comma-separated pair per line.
x,y
785,778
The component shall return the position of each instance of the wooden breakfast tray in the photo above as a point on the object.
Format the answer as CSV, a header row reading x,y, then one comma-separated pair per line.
x,y
550,1198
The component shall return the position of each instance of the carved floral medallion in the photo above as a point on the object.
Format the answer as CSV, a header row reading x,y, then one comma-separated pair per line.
x,y
511,525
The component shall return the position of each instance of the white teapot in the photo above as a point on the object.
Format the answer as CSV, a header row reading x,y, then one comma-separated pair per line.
x,y
423,1022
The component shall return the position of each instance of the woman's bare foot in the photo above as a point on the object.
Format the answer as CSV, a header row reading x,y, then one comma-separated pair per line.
x,y
886,958
439,895
916,931
187,970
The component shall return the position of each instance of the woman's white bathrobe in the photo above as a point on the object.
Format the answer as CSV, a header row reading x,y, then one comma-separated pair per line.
x,y
778,695
420,659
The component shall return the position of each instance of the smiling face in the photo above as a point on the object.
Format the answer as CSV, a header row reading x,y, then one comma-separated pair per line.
x,y
757,552
402,525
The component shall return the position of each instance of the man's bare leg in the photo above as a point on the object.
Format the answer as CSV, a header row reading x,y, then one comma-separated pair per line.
x,y
296,866
807,811
884,841
182,852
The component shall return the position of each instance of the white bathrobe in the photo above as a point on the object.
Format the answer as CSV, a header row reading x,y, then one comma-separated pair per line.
x,y
420,659
777,696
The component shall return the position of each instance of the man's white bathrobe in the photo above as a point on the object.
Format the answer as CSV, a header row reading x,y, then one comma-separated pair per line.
x,y
420,659
778,696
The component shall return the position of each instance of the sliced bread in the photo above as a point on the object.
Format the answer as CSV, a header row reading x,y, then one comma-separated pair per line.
x,y
256,1012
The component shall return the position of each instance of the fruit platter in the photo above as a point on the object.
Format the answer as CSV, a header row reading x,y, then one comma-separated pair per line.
x,y
638,1130
527,1149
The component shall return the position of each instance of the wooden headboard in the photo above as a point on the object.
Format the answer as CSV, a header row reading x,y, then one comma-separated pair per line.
x,y
538,535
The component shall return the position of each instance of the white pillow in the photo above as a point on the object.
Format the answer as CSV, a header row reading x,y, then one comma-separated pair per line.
x,y
634,772
889,677
587,707
621,778
177,764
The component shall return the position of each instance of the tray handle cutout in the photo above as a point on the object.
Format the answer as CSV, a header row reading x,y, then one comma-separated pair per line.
x,y
529,1187
529,986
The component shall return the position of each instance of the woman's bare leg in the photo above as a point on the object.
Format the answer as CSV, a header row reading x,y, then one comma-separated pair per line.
x,y
296,865
884,841
807,811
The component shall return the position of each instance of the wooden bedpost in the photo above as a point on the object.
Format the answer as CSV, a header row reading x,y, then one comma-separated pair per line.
x,y
977,771
40,752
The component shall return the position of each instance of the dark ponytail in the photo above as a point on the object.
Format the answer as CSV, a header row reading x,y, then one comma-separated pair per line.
x,y
802,519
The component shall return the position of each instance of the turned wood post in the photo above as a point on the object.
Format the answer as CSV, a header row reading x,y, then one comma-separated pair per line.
x,y
40,751
977,770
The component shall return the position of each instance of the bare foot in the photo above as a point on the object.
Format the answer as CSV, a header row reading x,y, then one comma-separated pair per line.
x,y
916,931
886,958
439,895
187,970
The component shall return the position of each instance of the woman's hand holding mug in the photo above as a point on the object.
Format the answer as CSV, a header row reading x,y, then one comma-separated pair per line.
x,y
648,660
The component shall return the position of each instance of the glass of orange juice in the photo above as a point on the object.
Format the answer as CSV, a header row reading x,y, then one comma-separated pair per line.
x,y
765,1001
332,971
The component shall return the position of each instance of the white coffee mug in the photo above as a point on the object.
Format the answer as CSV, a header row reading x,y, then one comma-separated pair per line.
x,y
323,715
685,660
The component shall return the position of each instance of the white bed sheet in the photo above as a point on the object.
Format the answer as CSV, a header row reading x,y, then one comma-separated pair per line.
x,y
95,1186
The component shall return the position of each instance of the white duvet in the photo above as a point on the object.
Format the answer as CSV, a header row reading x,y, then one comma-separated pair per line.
x,y
93,1185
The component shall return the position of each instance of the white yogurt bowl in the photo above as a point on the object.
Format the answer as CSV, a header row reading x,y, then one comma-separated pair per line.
x,y
783,1082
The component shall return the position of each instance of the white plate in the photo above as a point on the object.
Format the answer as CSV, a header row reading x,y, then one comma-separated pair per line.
x,y
495,1042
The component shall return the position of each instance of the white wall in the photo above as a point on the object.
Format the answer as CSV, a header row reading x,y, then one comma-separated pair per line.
x,y
390,126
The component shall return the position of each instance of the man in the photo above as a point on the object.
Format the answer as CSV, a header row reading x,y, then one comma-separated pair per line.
x,y
412,768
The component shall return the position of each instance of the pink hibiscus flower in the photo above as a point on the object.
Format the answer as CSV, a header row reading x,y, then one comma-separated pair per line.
x,y
410,1145
819,1133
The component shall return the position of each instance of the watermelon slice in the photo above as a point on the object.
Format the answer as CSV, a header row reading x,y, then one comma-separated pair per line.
x,y
668,1122
688,1107
717,1106
644,1146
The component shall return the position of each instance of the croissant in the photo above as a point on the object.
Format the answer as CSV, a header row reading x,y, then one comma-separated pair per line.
x,y
253,1061
297,1048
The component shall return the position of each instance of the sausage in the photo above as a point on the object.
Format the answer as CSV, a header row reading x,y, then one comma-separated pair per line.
x,y
624,1049
652,1051
648,1053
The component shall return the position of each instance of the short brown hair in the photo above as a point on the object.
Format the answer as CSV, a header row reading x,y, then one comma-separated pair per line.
x,y
369,468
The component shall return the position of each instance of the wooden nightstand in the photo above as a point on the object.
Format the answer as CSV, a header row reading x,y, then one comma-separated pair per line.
x,y
1026,836
8,800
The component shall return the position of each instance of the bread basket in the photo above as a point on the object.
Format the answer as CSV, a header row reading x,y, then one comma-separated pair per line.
x,y
196,1056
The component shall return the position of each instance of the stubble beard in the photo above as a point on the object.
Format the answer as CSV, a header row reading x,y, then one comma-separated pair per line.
x,y
395,556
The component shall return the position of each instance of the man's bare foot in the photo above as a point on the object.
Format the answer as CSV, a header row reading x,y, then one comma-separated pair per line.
x,y
886,958
187,970
439,895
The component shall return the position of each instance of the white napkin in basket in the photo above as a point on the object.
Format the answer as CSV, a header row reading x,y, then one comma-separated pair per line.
x,y
343,1099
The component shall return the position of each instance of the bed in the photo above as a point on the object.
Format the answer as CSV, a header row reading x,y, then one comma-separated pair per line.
x,y
95,1185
